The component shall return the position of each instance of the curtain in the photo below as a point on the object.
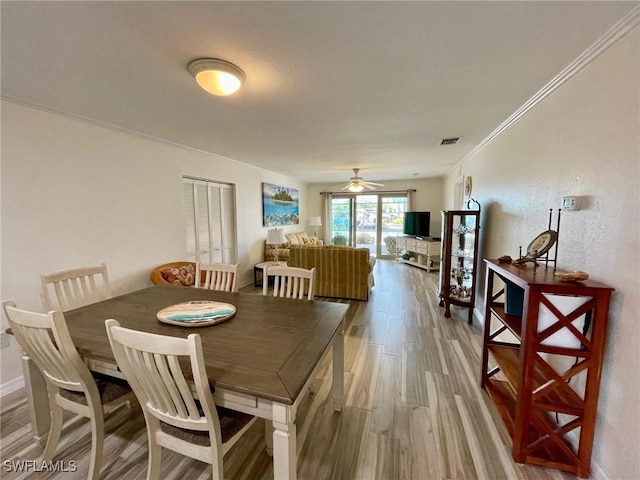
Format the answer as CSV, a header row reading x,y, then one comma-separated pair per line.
x,y
326,217
410,200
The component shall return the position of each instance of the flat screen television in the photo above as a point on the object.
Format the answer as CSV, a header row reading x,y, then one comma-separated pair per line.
x,y
416,224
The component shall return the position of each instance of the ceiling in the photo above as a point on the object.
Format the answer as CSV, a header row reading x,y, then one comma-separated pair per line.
x,y
330,85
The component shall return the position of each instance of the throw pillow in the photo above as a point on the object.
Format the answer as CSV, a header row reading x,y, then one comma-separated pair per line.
x,y
293,239
301,237
181,276
309,241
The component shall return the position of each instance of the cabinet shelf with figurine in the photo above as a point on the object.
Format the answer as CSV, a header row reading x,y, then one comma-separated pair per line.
x,y
542,356
459,254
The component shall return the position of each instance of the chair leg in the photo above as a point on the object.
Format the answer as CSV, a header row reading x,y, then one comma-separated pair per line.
x,y
97,444
217,471
155,458
55,428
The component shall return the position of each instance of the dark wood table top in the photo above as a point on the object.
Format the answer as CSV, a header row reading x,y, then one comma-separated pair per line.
x,y
268,349
527,275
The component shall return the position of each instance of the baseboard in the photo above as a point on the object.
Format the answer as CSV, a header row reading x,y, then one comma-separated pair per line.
x,y
597,473
477,317
11,390
245,283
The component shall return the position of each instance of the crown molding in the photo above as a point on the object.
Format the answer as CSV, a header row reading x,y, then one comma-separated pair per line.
x,y
126,131
615,33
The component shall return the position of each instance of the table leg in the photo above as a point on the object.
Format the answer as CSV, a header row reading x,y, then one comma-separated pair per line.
x,y
36,387
338,371
268,437
284,442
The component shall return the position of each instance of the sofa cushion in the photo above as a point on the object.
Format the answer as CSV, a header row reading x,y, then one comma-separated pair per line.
x,y
310,241
182,276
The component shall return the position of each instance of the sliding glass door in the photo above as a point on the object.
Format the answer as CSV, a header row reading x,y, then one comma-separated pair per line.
x,y
392,208
368,220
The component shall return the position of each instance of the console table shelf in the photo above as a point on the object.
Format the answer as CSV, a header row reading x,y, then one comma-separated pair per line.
x,y
426,249
547,361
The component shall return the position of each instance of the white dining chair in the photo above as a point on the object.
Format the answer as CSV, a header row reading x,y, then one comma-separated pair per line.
x,y
217,276
176,419
290,282
75,288
44,337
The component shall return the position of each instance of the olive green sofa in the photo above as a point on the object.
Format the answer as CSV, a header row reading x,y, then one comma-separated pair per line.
x,y
341,272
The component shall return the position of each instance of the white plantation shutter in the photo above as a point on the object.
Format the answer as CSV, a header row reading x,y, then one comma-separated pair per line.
x,y
228,223
202,222
209,209
189,220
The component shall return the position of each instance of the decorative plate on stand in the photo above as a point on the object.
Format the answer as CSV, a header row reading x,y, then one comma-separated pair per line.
x,y
542,243
197,313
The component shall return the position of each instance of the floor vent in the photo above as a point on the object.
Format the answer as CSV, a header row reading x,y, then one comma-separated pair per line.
x,y
449,141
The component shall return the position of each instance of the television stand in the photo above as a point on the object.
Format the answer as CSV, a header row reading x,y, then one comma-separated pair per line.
x,y
423,253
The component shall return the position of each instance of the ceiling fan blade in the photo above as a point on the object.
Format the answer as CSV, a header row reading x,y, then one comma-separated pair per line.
x,y
357,181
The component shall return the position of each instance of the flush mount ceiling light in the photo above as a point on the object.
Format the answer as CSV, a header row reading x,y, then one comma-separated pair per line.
x,y
217,76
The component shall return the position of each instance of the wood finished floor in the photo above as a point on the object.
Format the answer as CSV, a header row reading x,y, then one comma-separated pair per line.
x,y
413,408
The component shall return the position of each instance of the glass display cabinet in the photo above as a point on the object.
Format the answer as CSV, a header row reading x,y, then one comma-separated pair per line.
x,y
459,254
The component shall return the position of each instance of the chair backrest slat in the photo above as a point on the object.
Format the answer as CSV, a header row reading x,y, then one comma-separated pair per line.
x,y
217,276
173,400
75,288
136,361
290,282
185,396
163,401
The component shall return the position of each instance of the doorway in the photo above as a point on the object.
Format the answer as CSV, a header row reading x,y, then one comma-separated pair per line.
x,y
368,220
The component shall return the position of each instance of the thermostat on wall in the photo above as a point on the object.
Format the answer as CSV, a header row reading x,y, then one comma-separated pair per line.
x,y
571,203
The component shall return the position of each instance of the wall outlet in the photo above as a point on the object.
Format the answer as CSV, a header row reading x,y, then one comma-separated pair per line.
x,y
4,340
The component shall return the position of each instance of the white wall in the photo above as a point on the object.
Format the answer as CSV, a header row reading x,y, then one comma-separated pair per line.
x,y
427,197
77,194
582,140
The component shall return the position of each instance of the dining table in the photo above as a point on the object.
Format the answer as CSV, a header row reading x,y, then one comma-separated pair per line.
x,y
261,361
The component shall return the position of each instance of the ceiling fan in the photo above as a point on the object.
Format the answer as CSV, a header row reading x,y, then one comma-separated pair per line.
x,y
357,184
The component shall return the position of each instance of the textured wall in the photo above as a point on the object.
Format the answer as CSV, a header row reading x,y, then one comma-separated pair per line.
x,y
582,140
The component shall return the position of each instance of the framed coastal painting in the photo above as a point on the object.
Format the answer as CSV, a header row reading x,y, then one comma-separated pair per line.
x,y
280,205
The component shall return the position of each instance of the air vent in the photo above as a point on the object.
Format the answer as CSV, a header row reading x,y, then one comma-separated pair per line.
x,y
449,141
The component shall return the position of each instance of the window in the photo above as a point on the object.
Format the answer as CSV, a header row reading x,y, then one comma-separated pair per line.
x,y
210,220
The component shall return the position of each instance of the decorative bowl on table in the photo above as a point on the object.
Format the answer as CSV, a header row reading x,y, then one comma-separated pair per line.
x,y
196,313
571,276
